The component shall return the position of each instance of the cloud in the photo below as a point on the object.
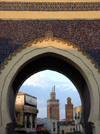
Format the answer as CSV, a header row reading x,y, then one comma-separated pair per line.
x,y
42,80
38,79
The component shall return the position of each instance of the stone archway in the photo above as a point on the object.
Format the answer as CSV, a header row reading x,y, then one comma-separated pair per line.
x,y
61,50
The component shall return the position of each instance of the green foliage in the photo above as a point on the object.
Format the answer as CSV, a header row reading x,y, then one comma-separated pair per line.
x,y
76,132
19,126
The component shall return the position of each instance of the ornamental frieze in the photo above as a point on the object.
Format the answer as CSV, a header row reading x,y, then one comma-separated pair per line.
x,y
49,6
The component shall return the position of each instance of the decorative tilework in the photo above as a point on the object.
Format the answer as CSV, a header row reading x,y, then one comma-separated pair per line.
x,y
84,34
49,6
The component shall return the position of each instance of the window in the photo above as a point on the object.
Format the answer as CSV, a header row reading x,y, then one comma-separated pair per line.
x,y
53,126
75,115
62,131
28,122
24,120
33,122
78,115
79,127
76,128
18,117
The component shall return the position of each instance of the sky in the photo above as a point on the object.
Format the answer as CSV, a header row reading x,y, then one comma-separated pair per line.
x,y
40,85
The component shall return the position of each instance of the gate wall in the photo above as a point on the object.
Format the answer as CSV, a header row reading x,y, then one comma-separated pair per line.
x,y
70,28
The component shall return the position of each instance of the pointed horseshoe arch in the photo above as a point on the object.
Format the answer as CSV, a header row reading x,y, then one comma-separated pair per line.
x,y
57,48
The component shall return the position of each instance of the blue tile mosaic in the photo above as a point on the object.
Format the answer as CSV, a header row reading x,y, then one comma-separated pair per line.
x,y
50,6
85,34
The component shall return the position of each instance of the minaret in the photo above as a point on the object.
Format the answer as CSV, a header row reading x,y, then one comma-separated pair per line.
x,y
53,106
69,110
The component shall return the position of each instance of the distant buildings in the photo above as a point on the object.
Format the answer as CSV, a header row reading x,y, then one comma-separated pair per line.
x,y
77,117
26,112
69,110
67,126
53,106
46,124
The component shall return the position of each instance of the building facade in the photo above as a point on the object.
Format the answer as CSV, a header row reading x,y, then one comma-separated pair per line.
x,y
69,110
53,106
77,118
26,112
49,125
67,128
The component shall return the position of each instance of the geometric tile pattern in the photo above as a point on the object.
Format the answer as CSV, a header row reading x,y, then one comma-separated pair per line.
x,y
85,34
49,6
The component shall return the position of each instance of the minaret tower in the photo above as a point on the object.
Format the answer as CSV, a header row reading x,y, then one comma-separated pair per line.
x,y
69,110
53,106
